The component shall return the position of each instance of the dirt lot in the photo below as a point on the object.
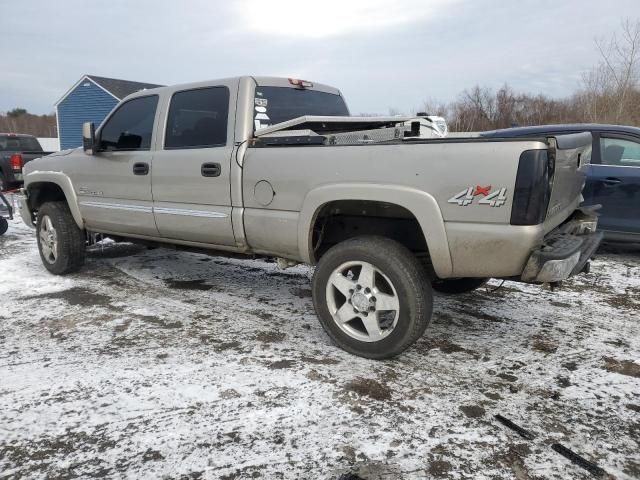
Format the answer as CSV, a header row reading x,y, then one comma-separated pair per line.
x,y
155,363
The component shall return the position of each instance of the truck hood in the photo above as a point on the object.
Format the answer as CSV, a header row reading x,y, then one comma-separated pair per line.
x,y
47,162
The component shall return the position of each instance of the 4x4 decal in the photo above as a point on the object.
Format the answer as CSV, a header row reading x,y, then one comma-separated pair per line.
x,y
497,198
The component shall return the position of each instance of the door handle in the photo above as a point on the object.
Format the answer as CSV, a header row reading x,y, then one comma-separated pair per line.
x,y
210,170
140,168
611,181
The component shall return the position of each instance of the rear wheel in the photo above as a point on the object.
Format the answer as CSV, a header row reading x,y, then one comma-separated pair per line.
x,y
372,296
60,242
456,286
4,225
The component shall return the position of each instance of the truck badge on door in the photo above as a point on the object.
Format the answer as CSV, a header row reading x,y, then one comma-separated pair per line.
x,y
497,198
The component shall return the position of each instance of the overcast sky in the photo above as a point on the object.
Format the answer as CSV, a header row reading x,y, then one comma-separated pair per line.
x,y
381,54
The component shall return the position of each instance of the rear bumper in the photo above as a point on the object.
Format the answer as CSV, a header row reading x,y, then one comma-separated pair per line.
x,y
13,178
566,250
6,207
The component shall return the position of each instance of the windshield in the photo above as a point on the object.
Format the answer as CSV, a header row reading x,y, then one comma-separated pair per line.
x,y
11,143
279,104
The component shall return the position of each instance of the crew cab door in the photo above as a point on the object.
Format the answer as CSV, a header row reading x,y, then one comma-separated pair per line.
x,y
191,174
114,184
614,182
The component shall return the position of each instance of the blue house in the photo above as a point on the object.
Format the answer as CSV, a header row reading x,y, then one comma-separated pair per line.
x,y
90,100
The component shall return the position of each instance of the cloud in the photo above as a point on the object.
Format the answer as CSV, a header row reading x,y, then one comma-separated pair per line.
x,y
296,18
380,54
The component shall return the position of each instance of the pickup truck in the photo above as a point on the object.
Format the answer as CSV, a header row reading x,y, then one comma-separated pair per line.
x,y
613,176
277,167
16,150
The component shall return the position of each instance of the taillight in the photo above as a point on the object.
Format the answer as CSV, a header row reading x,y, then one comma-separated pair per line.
x,y
16,162
532,193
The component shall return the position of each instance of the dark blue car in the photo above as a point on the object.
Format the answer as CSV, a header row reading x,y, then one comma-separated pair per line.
x,y
613,178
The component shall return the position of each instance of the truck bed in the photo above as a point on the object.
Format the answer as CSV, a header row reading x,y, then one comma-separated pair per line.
x,y
438,169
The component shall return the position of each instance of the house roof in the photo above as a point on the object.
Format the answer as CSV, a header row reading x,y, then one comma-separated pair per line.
x,y
115,87
121,88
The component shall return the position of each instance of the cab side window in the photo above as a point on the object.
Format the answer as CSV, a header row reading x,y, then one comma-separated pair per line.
x,y
131,126
620,152
198,118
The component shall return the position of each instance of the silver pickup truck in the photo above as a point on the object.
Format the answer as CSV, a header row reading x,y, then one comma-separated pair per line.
x,y
277,167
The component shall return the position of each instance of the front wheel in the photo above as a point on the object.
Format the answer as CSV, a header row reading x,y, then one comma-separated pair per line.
x,y
60,242
372,296
4,225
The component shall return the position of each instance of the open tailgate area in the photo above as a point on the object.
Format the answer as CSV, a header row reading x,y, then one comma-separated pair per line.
x,y
570,152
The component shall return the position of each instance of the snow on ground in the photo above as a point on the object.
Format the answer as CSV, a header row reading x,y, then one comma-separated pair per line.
x,y
155,363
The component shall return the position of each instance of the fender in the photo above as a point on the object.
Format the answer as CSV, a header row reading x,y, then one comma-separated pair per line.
x,y
422,205
62,181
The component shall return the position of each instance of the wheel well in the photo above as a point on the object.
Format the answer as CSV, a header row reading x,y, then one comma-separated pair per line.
x,y
40,193
343,219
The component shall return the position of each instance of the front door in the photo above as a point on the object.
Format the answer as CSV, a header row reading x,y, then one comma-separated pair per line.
x,y
114,185
191,168
614,182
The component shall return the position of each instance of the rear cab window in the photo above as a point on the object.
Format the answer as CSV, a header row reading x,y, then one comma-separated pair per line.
x,y
198,118
15,143
278,104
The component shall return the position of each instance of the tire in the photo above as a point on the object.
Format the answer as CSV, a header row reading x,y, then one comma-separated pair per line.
x,y
456,286
4,225
60,242
390,301
3,183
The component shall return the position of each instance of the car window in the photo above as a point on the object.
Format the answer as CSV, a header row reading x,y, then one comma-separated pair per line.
x,y
130,127
619,151
19,144
198,118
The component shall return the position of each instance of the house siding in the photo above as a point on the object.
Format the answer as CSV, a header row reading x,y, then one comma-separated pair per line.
x,y
85,103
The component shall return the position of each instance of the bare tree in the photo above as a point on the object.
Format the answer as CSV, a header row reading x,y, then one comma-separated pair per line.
x,y
610,89
433,107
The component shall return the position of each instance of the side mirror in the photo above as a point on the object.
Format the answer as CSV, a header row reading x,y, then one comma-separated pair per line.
x,y
89,137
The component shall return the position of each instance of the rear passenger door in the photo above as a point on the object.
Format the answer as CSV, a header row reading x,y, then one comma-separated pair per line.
x,y
614,182
191,168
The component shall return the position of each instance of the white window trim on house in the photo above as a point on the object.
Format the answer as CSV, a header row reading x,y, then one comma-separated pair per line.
x,y
85,77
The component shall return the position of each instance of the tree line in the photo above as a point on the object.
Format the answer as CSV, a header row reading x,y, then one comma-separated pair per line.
x,y
19,120
608,93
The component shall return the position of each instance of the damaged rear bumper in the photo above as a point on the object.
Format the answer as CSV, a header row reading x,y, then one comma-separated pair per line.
x,y
565,251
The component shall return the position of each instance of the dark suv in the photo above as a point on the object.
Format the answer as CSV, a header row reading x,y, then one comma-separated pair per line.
x,y
613,176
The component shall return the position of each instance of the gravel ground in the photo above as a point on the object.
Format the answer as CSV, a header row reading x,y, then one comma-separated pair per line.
x,y
160,364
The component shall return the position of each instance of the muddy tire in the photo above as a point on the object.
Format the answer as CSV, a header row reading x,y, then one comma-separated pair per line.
x,y
372,296
457,286
60,242
4,226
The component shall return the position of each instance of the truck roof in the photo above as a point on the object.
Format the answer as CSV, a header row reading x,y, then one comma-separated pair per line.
x,y
262,81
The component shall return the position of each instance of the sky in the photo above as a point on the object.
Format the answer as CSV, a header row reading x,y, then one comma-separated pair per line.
x,y
381,54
